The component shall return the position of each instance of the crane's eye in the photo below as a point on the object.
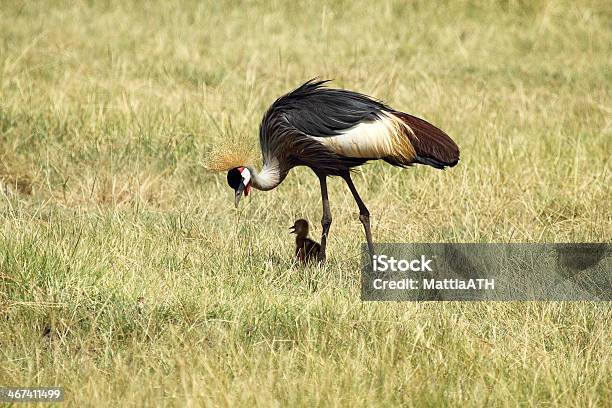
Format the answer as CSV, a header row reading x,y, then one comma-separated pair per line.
x,y
234,178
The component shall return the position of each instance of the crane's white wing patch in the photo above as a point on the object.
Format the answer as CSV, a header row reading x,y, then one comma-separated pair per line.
x,y
385,137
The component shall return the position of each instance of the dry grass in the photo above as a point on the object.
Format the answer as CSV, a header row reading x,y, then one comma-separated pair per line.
x,y
127,276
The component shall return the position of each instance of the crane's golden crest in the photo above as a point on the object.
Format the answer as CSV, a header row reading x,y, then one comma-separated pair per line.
x,y
227,155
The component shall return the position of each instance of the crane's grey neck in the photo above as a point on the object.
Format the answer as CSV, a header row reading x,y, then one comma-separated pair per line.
x,y
269,177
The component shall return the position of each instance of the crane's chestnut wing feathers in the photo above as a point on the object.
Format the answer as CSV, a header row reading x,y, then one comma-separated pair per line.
x,y
432,145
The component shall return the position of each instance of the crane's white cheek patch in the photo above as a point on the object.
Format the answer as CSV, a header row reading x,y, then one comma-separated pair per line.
x,y
374,140
246,176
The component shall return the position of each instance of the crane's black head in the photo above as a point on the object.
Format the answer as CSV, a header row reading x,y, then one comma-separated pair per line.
x,y
239,178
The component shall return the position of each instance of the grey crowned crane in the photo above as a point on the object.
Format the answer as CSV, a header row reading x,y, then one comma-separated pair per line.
x,y
331,131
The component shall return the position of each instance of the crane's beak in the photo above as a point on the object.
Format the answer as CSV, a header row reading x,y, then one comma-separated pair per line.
x,y
292,229
239,191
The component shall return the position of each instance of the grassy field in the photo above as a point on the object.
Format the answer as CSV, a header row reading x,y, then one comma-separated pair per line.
x,y
127,276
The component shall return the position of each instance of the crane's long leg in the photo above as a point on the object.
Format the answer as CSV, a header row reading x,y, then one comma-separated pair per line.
x,y
327,218
364,214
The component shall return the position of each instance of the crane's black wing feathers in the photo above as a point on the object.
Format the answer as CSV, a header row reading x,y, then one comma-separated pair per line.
x,y
319,111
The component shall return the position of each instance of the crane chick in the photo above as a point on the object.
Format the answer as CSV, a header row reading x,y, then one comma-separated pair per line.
x,y
306,250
